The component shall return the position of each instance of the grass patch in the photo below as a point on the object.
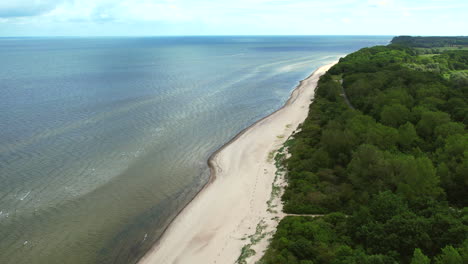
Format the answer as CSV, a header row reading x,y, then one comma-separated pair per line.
x,y
247,251
275,188
271,155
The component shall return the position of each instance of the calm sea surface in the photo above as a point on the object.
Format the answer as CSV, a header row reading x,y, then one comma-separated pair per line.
x,y
104,140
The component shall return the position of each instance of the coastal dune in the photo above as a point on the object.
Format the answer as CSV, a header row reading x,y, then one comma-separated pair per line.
x,y
213,227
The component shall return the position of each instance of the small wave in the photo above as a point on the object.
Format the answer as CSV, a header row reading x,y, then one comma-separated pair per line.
x,y
4,214
24,197
236,55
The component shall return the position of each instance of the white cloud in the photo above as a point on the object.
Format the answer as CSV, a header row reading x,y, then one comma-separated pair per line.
x,y
147,10
25,8
406,12
380,3
229,16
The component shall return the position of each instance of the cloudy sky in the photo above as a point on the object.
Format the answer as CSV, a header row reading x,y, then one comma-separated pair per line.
x,y
232,17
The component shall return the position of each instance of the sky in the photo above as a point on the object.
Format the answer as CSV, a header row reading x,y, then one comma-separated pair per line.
x,y
232,17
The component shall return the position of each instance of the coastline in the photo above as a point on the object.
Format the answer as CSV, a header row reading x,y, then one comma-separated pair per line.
x,y
214,226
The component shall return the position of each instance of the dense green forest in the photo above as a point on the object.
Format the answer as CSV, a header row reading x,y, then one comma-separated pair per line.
x,y
429,42
383,156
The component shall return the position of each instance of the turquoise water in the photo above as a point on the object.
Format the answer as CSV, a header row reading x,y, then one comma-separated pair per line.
x,y
104,140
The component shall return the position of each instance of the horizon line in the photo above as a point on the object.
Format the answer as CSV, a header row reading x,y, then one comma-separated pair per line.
x,y
214,35
227,35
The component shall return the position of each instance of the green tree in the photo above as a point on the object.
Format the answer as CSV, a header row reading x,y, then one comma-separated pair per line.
x,y
450,128
449,255
463,250
407,136
429,121
368,168
385,205
419,257
382,136
338,143
394,115
416,177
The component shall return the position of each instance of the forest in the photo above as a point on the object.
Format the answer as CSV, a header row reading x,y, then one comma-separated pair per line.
x,y
429,42
382,158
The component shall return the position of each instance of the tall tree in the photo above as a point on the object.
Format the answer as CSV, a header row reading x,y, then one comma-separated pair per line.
x,y
419,257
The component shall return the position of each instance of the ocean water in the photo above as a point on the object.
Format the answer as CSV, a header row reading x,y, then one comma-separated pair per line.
x,y
104,140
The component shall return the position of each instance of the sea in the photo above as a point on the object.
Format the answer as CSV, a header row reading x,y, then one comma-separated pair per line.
x,y
104,140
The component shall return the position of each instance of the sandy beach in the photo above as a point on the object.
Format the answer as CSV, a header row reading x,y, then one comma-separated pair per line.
x,y
216,225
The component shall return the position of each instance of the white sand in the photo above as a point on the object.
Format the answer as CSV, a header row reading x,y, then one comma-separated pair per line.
x,y
210,229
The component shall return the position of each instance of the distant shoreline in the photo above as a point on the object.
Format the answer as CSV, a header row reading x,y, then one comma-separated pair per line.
x,y
183,238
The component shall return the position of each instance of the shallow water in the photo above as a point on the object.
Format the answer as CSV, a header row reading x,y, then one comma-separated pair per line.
x,y
104,140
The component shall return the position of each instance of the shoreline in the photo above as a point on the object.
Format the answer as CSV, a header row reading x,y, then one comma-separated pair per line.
x,y
183,241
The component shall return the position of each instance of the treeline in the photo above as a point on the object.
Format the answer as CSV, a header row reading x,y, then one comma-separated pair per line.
x,y
430,42
389,171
